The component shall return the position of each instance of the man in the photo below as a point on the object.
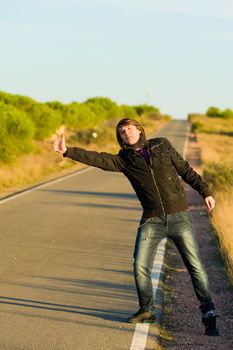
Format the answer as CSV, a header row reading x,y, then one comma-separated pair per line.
x,y
153,168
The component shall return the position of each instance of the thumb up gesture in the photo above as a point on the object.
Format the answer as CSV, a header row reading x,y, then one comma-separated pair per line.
x,y
60,145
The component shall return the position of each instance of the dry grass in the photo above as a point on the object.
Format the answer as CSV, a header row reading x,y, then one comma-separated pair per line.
x,y
32,168
208,125
223,223
215,138
217,150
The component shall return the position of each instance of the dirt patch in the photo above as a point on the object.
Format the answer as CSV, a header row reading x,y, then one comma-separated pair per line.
x,y
183,321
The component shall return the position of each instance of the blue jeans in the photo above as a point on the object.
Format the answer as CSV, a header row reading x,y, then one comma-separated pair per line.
x,y
179,228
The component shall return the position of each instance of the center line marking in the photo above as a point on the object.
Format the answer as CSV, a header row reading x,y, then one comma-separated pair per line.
x,y
142,329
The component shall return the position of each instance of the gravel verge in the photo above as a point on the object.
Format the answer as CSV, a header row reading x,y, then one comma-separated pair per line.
x,y
182,327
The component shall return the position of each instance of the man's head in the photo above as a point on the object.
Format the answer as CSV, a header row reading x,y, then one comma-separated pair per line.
x,y
130,133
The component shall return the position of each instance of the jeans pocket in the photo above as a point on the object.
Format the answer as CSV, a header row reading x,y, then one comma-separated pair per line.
x,y
188,217
144,221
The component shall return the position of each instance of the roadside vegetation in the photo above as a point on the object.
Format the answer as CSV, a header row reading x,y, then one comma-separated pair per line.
x,y
215,137
28,129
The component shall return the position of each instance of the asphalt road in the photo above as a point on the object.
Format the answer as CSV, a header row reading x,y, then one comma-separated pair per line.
x,y
66,279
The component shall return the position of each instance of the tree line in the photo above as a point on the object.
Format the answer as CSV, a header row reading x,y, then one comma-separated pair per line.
x,y
22,119
215,112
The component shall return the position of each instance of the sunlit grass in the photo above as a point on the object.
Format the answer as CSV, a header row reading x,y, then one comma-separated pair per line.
x,y
223,223
204,124
216,145
31,169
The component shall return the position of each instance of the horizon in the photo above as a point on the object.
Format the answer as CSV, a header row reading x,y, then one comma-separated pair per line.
x,y
73,101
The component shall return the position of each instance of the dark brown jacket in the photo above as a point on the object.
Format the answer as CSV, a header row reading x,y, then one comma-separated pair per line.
x,y
158,186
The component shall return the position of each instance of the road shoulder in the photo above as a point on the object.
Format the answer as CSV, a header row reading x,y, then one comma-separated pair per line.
x,y
182,327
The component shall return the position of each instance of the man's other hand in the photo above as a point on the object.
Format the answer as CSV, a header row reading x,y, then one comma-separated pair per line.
x,y
210,203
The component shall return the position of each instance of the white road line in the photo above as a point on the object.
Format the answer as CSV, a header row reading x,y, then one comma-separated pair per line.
x,y
37,187
142,329
140,336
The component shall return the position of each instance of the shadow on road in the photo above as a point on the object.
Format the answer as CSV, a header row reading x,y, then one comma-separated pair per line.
x,y
81,194
112,315
98,194
92,292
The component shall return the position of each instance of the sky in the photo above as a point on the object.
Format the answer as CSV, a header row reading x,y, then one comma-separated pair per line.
x,y
176,55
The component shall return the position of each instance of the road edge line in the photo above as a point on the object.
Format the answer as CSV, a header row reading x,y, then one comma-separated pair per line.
x,y
42,185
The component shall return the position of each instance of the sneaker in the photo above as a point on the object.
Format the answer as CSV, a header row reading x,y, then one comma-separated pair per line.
x,y
209,321
142,316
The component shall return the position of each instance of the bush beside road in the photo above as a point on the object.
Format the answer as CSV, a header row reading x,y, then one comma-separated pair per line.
x,y
214,137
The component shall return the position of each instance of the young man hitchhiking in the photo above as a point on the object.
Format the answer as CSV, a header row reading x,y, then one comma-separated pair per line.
x,y
153,167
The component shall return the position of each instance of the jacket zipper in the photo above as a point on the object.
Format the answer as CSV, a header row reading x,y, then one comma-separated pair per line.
x,y
155,183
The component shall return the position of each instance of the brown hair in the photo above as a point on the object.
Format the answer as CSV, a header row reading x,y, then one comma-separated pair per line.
x,y
128,121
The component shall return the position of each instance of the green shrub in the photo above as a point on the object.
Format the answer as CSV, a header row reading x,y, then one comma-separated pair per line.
x,y
218,175
110,107
98,110
227,114
144,109
79,115
105,102
125,111
16,133
197,126
213,112
46,120
22,103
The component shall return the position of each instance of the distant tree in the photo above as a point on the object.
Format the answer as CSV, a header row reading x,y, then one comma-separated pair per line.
x,y
108,105
46,120
144,109
99,111
70,115
57,105
22,103
213,112
227,114
125,111
85,116
105,102
80,115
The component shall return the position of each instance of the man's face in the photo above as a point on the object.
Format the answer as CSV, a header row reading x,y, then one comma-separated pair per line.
x,y
129,134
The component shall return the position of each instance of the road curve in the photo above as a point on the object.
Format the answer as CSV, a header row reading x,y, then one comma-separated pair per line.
x,y
66,262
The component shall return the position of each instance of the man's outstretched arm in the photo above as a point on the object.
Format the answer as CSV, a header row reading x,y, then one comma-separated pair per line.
x,y
103,160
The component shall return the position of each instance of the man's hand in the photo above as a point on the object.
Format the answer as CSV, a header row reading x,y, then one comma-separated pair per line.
x,y
210,203
60,145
